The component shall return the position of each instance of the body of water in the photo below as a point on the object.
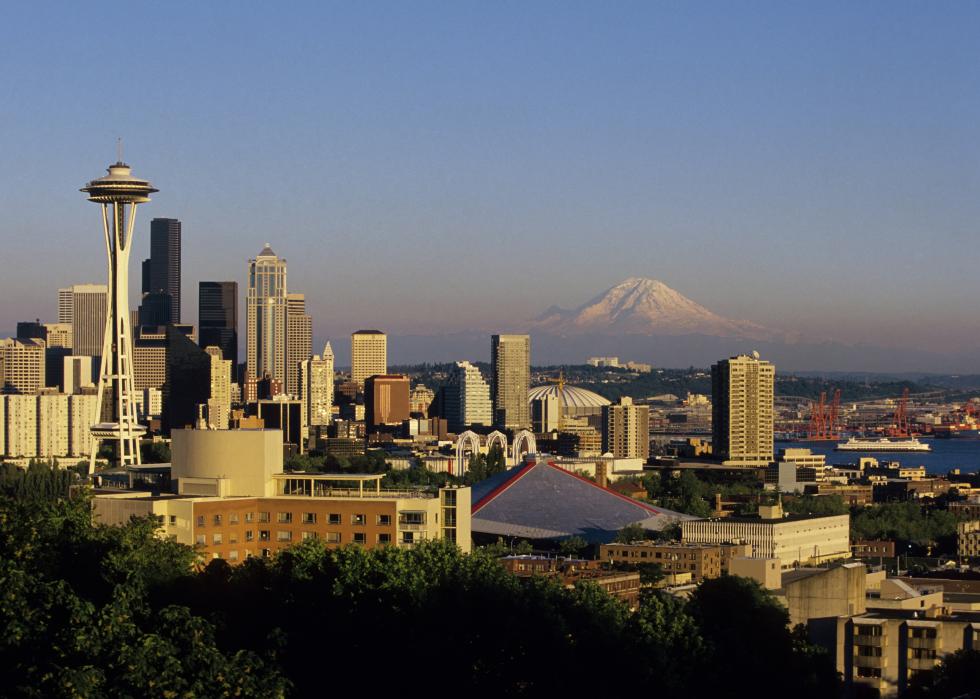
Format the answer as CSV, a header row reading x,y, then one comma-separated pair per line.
x,y
946,454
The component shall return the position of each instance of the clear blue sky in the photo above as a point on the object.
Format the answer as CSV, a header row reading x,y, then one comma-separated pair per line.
x,y
810,166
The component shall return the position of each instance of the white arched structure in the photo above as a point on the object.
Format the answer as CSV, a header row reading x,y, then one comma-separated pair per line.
x,y
526,440
497,437
467,438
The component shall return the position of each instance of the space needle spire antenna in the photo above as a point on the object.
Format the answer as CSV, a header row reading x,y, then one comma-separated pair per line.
x,y
118,193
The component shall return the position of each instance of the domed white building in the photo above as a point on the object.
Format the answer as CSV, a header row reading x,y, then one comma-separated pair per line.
x,y
575,401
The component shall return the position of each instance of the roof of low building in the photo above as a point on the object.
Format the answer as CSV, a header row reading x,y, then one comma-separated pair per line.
x,y
539,500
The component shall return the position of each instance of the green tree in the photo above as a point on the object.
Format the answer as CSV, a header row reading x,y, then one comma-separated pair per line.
x,y
631,533
573,546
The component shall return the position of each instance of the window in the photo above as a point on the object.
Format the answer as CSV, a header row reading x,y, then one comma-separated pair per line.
x,y
869,651
358,520
284,536
333,537
216,538
215,555
333,519
449,497
266,553
233,518
263,516
249,518
173,520
384,538
867,630
360,538
217,520
411,518
201,540
309,518
308,535
200,520
408,538
232,537
868,672
384,520
249,535
263,534
233,555
285,517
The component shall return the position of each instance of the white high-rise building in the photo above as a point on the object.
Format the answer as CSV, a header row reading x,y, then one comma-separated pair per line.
x,y
626,430
742,394
77,374
66,302
22,366
219,404
316,387
368,355
52,425
87,318
299,340
467,398
265,317
21,425
81,408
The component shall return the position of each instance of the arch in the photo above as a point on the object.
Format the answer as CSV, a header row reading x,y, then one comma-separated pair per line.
x,y
525,439
497,437
467,438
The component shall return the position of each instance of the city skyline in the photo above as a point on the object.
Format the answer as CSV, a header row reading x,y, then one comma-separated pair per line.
x,y
761,178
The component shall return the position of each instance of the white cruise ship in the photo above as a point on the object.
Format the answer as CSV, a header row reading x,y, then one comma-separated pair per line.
x,y
883,444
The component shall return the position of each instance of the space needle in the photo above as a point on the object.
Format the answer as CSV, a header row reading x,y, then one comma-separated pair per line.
x,y
115,420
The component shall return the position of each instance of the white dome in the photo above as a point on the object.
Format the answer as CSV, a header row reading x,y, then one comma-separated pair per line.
x,y
571,397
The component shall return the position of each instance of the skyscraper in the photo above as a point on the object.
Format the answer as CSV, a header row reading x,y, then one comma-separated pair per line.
x,y
742,391
510,378
385,400
217,316
368,355
467,398
66,299
299,340
88,314
626,430
165,266
316,387
265,317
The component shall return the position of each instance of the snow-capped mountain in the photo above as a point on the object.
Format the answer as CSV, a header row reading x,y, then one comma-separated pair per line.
x,y
641,306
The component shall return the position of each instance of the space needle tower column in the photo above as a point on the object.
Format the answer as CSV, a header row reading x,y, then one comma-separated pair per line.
x,y
115,420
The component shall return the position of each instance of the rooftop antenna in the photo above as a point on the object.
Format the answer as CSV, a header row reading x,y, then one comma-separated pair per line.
x,y
119,150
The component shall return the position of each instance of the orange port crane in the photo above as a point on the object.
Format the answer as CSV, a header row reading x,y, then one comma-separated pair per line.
x,y
903,426
824,418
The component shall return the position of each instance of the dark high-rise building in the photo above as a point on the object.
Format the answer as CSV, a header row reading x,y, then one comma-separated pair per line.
x,y
156,309
165,263
188,380
385,400
217,314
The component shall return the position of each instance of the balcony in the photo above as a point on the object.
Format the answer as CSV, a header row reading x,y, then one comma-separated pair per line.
x,y
866,640
929,643
875,661
922,663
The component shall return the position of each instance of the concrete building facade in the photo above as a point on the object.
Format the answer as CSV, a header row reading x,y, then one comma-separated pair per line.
x,y
467,398
299,340
743,390
626,430
368,355
510,380
316,387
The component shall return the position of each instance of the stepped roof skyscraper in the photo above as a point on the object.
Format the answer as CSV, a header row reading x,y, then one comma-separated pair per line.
x,y
265,317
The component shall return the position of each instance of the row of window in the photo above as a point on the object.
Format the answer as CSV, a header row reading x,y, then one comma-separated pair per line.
x,y
305,518
287,536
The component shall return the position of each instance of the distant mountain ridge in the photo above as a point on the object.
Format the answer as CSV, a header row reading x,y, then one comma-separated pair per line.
x,y
642,306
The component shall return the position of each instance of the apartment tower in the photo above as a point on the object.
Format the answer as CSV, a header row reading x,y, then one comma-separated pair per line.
x,y
742,390
510,378
626,430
